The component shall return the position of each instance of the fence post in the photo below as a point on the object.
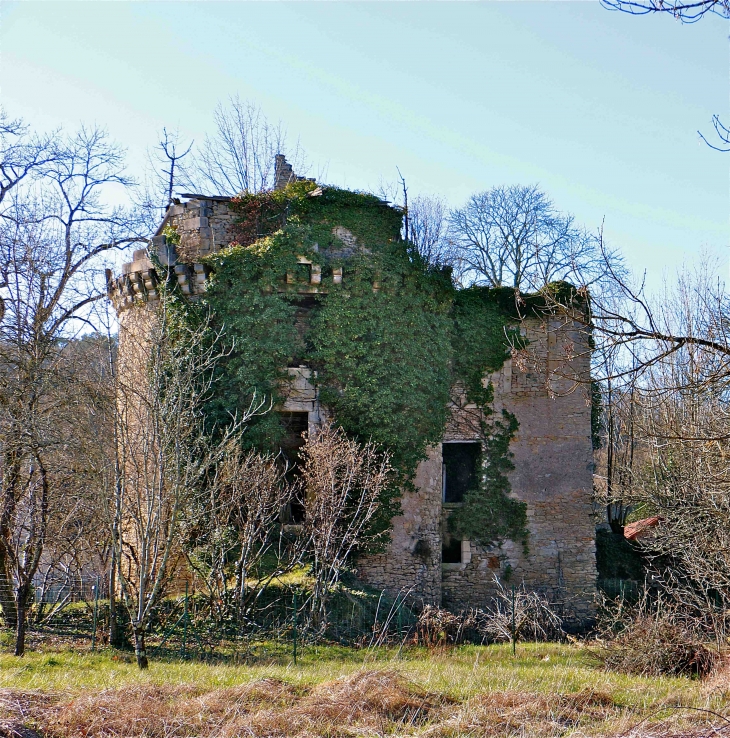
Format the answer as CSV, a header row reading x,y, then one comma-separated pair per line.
x,y
295,627
400,628
96,614
514,634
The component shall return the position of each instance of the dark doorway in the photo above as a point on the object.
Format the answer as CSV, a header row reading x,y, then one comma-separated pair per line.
x,y
460,469
295,425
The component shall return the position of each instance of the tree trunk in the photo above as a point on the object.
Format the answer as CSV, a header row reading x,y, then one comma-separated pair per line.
x,y
240,587
139,648
7,600
114,634
20,624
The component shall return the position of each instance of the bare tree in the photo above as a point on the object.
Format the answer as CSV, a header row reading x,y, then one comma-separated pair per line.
x,y
514,236
689,320
723,136
168,458
684,481
428,230
613,480
342,484
687,12
670,376
22,154
78,539
239,157
239,525
165,172
55,227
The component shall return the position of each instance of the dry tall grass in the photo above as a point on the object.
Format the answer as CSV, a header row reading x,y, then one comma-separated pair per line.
x,y
365,703
546,690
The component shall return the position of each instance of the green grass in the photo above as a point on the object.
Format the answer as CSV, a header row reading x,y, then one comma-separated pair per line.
x,y
460,673
476,690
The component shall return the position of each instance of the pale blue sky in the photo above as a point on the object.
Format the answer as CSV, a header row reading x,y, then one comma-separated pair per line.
x,y
599,108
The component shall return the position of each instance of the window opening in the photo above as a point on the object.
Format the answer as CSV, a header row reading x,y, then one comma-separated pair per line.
x,y
451,551
460,469
303,273
295,425
304,304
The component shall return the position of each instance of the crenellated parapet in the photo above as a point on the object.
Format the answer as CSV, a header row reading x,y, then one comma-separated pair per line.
x,y
139,281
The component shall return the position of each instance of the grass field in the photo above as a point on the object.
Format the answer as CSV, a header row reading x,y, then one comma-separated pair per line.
x,y
545,690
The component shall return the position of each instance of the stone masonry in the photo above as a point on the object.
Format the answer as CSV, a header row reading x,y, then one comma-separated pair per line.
x,y
552,454
552,450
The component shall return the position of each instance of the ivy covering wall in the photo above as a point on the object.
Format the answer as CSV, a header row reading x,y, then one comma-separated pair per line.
x,y
388,343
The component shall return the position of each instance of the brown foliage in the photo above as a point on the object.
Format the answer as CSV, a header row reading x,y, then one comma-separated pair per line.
x,y
163,711
654,644
364,703
498,714
438,628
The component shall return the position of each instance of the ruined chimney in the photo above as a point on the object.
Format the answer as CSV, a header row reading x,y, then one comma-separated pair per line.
x,y
283,172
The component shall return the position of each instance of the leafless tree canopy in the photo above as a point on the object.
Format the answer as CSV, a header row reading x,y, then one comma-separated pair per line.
x,y
167,459
239,156
166,163
342,483
239,525
55,227
428,228
722,136
687,12
514,236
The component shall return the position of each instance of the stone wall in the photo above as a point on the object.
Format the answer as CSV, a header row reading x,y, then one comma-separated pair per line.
x,y
204,225
553,460
412,562
552,448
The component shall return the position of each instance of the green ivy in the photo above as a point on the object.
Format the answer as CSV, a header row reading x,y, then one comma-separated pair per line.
x,y
388,343
480,339
257,321
386,379
488,514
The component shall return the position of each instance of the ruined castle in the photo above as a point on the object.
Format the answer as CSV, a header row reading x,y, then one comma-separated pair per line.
x,y
551,449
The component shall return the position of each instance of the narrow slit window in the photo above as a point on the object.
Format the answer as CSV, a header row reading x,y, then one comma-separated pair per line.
x,y
460,469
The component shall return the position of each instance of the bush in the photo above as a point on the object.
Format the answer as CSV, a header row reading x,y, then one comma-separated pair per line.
x,y
524,615
530,612
438,628
654,639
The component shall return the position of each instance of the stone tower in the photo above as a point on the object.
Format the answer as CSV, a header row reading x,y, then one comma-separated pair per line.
x,y
552,450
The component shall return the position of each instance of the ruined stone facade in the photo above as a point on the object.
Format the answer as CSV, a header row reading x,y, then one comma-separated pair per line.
x,y
552,450
553,459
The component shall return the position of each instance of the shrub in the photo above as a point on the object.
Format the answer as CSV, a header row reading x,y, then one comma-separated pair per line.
x,y
652,638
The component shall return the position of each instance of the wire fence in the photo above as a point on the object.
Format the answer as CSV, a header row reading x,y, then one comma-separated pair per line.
x,y
625,589
190,625
283,619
